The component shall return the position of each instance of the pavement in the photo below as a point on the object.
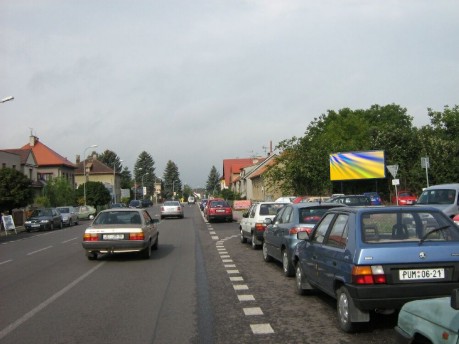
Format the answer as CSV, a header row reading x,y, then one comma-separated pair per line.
x,y
19,230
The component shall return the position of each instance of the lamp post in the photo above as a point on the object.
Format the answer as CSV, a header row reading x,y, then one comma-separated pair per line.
x,y
135,184
7,99
84,170
173,188
142,183
114,180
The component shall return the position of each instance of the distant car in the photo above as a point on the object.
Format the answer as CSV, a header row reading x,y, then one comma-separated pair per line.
x,y
375,199
135,203
443,196
429,321
172,209
121,230
191,200
351,200
146,203
118,205
404,198
218,210
69,215
378,258
43,218
202,204
86,212
280,235
252,224
285,199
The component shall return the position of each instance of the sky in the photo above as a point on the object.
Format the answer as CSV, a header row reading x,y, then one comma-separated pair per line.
x,y
197,82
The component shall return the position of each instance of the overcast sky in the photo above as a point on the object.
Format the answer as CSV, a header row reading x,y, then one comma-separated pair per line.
x,y
199,81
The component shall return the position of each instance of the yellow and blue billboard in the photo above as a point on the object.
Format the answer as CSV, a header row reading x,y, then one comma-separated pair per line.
x,y
357,165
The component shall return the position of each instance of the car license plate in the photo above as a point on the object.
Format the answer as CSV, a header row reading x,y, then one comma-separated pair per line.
x,y
113,236
421,274
220,210
409,202
35,225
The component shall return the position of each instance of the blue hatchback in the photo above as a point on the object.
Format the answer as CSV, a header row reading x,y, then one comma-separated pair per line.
x,y
378,258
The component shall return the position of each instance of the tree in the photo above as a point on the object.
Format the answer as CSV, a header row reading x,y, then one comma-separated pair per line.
x,y
213,182
145,168
15,189
172,183
126,179
59,192
110,159
96,194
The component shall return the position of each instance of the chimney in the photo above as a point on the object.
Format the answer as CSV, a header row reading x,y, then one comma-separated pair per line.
x,y
77,159
33,140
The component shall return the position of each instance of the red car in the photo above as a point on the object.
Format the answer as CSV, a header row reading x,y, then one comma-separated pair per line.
x,y
218,209
456,219
405,198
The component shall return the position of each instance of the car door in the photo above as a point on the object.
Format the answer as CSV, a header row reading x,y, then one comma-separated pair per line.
x,y
247,228
56,218
283,229
270,234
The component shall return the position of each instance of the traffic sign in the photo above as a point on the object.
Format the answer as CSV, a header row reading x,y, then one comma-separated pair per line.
x,y
393,169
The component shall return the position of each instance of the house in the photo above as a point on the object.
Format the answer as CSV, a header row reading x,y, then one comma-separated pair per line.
x,y
97,171
232,169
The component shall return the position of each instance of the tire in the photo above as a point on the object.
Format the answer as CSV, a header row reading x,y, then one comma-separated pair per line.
x,y
266,257
243,238
287,265
344,307
51,226
254,244
91,255
146,253
155,245
61,225
299,280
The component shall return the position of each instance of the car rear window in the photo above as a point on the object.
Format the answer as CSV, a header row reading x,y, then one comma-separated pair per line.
x,y
270,209
172,203
219,204
118,218
311,215
407,226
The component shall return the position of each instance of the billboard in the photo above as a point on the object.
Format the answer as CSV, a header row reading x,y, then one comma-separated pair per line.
x,y
357,165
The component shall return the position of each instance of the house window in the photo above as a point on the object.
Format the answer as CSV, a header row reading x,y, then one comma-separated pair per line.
x,y
14,167
30,173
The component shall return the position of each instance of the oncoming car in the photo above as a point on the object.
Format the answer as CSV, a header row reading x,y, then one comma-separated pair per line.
x,y
121,230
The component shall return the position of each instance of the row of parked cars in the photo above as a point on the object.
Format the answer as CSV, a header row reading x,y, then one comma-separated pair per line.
x,y
370,259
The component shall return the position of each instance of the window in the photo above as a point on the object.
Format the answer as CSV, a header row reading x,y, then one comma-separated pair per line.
x,y
319,233
338,233
287,215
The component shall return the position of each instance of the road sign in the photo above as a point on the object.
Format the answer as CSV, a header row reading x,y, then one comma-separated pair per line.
x,y
395,182
393,169
425,162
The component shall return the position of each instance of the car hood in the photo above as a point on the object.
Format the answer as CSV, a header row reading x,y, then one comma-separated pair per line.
x,y
39,218
436,310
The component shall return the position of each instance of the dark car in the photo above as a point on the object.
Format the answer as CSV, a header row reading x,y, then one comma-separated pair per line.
x,y
374,198
135,203
352,200
280,235
146,203
378,258
44,218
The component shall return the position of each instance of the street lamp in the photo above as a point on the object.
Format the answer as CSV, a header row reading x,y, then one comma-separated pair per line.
x,y
7,99
142,183
114,180
84,170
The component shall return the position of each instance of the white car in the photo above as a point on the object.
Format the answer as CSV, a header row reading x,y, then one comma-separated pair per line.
x,y
69,215
253,224
285,199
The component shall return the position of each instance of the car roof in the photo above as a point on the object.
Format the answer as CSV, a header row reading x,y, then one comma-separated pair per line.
x,y
385,209
125,210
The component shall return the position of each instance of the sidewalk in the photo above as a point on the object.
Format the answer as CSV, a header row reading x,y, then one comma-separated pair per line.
x,y
19,230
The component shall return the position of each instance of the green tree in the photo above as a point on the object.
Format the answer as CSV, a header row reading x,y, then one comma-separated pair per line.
x,y
59,192
111,159
172,183
144,169
213,182
126,179
15,190
96,194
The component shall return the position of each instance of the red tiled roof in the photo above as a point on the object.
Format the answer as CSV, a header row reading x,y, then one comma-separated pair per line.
x,y
234,166
45,156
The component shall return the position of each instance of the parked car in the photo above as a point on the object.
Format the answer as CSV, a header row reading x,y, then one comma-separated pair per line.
x,y
135,203
85,212
218,210
351,200
444,197
429,321
171,209
118,205
456,219
375,199
43,218
145,203
121,230
202,204
404,198
69,215
280,235
252,224
285,199
378,258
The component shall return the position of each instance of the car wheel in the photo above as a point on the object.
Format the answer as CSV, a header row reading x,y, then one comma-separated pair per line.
x,y
155,245
287,264
243,238
344,307
254,242
61,225
146,253
51,226
91,255
267,258
299,280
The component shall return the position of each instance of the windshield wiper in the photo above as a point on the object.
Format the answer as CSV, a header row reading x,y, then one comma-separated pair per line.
x,y
432,231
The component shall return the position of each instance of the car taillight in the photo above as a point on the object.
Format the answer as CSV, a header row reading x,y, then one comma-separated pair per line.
x,y
178,208
260,227
295,230
136,236
90,237
368,275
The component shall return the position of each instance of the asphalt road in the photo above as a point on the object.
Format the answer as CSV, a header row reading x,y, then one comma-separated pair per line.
x,y
201,286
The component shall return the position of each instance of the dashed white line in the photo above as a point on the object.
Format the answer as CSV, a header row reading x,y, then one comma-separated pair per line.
x,y
246,298
261,328
252,311
232,271
66,241
240,287
236,279
42,249
6,261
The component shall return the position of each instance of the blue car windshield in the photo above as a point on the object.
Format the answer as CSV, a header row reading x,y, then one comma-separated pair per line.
x,y
407,226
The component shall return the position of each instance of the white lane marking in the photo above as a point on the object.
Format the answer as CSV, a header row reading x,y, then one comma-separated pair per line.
x,y
261,328
246,298
215,237
236,279
240,287
229,265
252,311
225,256
232,271
66,241
6,261
11,327
42,249
227,260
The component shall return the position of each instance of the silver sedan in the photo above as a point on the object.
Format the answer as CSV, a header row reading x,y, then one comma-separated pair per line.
x,y
172,209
